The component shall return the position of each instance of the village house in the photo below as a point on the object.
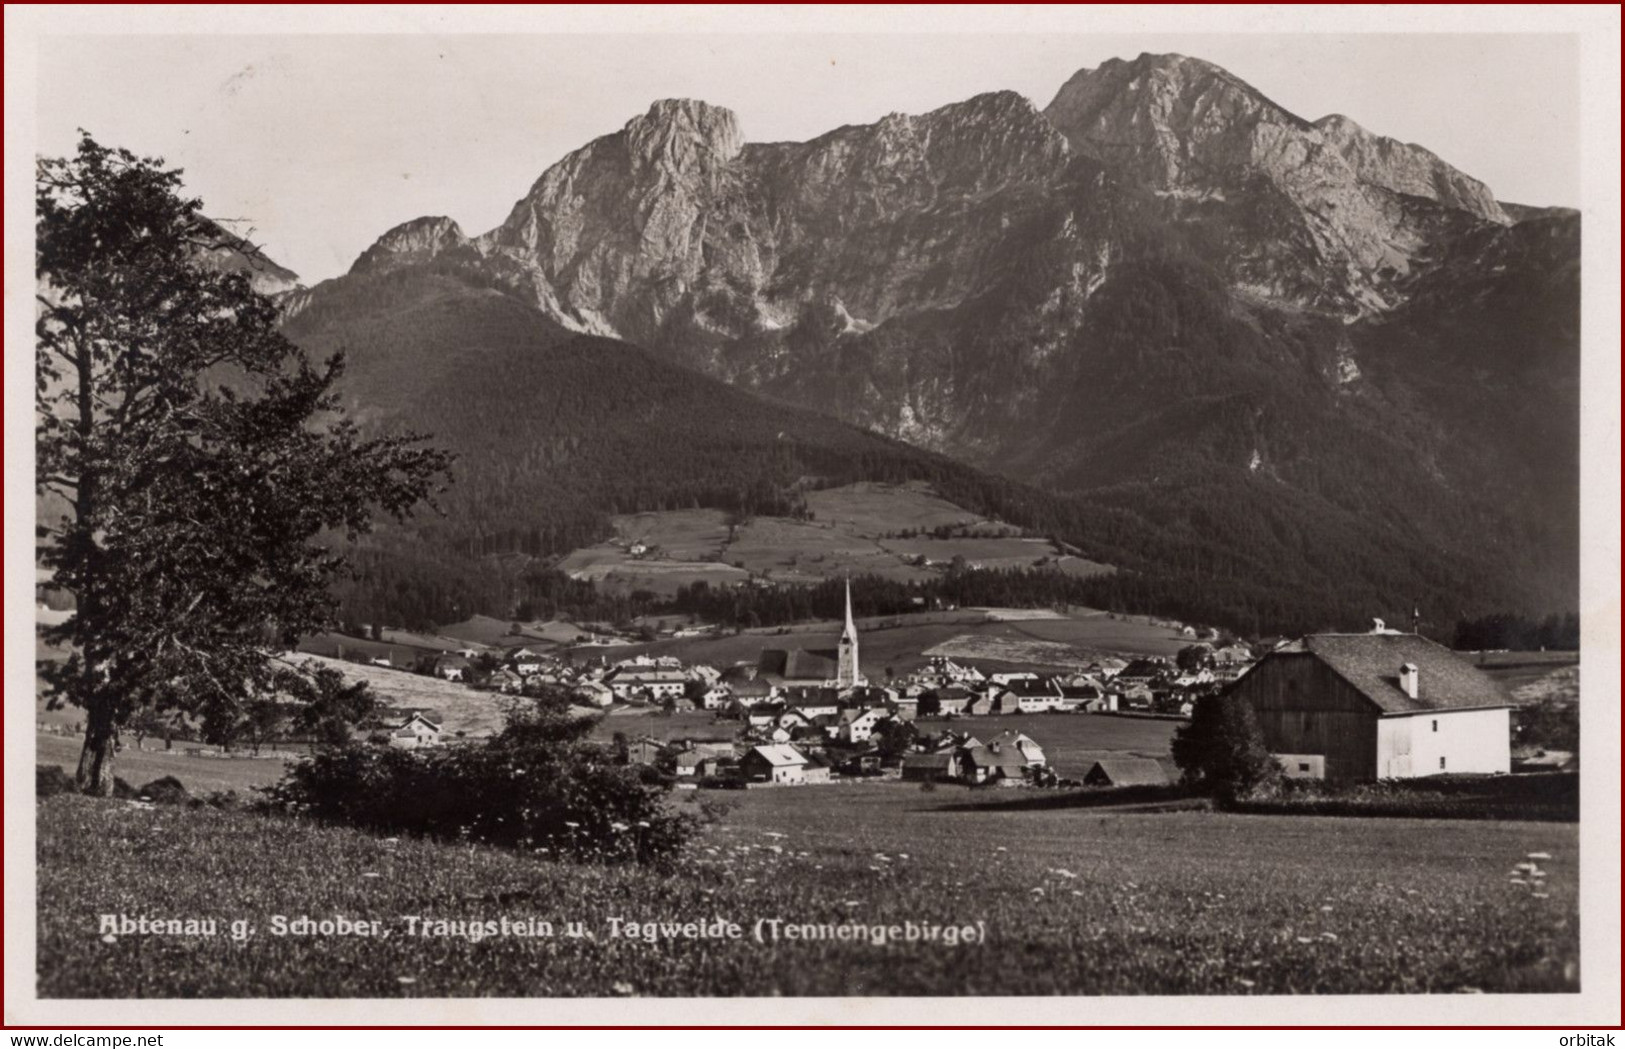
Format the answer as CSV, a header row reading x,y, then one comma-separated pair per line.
x,y
1021,743
994,763
774,763
594,693
452,668
417,729
505,680
1361,707
811,701
717,697
857,726
653,684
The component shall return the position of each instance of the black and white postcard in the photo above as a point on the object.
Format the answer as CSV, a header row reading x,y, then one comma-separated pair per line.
x,y
794,515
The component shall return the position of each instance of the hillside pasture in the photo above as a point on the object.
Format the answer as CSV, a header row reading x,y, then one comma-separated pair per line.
x,y
876,509
854,530
471,711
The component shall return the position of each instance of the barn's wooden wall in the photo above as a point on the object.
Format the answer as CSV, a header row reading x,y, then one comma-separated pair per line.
x,y
1303,708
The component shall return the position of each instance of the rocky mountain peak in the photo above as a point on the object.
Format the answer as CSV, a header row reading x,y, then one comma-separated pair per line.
x,y
1407,168
417,240
683,134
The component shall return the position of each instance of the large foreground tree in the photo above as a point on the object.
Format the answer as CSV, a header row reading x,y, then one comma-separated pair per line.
x,y
195,467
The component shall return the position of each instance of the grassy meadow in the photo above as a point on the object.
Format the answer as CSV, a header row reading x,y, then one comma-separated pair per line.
x,y
855,529
1068,901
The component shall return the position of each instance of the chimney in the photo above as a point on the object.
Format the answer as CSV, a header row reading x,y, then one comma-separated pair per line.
x,y
1408,679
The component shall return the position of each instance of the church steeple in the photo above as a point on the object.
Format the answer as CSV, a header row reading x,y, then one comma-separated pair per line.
x,y
847,673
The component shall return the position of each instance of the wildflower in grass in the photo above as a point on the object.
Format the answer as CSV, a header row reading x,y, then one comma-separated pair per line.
x,y
1326,909
1541,895
406,979
1305,939
371,874
1518,881
1540,855
109,938
623,988
1246,982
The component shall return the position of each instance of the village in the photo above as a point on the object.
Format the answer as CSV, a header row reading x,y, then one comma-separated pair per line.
x,y
800,717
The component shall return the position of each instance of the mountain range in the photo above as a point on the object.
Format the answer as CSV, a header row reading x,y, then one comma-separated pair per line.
x,y
1210,340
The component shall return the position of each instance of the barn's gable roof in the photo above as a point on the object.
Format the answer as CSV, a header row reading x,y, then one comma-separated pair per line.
x,y
1371,663
1128,772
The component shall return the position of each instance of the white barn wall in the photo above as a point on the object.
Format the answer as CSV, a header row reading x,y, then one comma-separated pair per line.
x,y
1469,741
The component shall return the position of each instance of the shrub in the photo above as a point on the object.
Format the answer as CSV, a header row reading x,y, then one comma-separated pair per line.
x,y
50,779
538,784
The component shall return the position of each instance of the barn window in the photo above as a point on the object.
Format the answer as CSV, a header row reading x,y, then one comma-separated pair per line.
x,y
1435,724
1441,761
1303,766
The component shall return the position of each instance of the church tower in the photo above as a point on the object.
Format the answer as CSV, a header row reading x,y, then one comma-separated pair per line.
x,y
847,672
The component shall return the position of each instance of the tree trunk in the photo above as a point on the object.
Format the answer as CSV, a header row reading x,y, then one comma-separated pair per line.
x,y
95,774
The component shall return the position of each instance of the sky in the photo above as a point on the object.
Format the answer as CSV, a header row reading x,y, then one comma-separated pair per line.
x,y
320,143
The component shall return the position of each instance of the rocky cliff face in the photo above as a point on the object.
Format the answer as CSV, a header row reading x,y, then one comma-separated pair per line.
x,y
1163,283
1339,218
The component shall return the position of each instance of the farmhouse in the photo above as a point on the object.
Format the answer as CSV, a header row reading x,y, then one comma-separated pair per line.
x,y
994,762
655,684
417,730
774,763
595,693
1351,707
943,765
1024,744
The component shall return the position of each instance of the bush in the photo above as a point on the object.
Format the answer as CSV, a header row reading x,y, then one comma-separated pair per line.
x,y
538,784
50,779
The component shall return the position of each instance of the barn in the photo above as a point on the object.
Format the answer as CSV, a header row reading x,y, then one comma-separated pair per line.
x,y
1360,707
1129,772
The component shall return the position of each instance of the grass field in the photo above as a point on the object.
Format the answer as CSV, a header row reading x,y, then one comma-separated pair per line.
x,y
1072,901
1071,742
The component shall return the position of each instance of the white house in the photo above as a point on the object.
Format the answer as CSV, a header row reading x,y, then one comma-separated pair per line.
x,y
415,731
775,763
857,726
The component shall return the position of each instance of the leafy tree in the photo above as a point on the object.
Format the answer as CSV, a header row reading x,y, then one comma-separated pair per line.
x,y
200,458
1222,748
1194,657
893,738
330,707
